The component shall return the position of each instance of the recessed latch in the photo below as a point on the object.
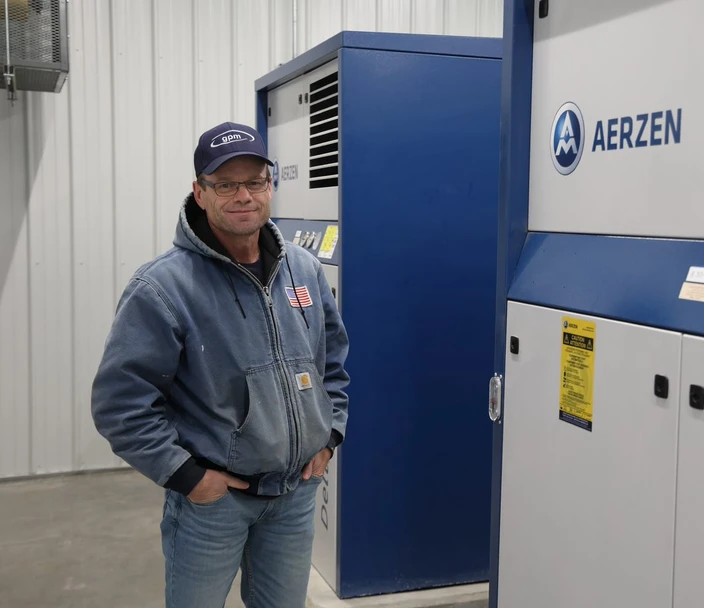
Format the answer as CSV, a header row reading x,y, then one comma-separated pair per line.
x,y
662,387
543,8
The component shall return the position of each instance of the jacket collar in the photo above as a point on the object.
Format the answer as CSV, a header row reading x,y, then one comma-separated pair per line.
x,y
194,233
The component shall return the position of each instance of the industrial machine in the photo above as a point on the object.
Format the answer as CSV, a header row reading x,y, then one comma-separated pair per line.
x,y
386,151
599,439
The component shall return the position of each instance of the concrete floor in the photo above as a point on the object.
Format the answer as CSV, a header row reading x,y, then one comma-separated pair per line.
x,y
83,541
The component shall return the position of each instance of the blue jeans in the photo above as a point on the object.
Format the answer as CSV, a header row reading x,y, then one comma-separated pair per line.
x,y
271,540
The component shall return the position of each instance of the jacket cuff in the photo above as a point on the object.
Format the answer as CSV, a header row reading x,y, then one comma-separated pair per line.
x,y
186,477
335,440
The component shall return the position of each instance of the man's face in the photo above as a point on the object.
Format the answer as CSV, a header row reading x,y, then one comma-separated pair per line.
x,y
241,213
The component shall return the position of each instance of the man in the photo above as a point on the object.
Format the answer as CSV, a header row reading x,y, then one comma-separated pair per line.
x,y
223,381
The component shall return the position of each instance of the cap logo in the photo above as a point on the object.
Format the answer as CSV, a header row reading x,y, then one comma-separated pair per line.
x,y
230,136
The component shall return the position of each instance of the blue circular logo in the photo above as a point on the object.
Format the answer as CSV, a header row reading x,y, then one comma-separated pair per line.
x,y
275,174
567,138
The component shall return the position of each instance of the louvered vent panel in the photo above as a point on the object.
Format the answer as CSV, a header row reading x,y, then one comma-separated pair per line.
x,y
324,132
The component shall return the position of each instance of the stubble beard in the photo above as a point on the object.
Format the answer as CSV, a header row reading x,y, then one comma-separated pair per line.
x,y
242,230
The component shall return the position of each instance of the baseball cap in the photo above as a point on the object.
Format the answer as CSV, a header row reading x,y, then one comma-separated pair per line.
x,y
226,141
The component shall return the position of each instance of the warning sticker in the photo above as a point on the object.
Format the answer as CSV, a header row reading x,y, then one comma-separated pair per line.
x,y
327,247
577,372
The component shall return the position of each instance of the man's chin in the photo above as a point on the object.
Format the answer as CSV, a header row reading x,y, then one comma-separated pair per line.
x,y
244,230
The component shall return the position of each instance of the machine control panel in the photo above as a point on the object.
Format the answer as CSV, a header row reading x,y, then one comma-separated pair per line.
x,y
321,238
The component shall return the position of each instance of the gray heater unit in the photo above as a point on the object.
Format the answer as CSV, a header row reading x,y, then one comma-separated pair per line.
x,y
33,45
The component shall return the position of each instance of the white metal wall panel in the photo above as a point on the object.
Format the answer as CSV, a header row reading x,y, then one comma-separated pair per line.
x,y
91,147
488,18
93,179
214,25
50,273
317,20
359,15
252,56
174,114
133,120
321,19
394,16
14,296
280,31
428,17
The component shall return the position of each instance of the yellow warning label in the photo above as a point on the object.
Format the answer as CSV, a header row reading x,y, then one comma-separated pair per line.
x,y
577,372
327,247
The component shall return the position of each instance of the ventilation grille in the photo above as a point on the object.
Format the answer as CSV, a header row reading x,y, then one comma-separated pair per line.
x,y
324,132
38,43
34,31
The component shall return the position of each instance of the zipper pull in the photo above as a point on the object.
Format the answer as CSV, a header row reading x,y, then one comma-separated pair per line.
x,y
268,297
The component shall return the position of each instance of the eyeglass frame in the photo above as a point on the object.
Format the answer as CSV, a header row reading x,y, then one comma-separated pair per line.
x,y
267,181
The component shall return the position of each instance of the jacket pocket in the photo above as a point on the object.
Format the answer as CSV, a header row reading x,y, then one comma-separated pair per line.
x,y
262,442
314,408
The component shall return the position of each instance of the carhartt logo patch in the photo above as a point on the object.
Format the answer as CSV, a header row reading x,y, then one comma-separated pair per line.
x,y
303,381
300,298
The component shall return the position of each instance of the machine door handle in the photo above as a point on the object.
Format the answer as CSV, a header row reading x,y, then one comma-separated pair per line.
x,y
495,398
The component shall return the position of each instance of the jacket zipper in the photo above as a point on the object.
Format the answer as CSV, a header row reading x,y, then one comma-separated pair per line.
x,y
285,382
287,385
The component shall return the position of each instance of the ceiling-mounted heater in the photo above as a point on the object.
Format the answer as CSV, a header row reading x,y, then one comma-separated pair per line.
x,y
33,45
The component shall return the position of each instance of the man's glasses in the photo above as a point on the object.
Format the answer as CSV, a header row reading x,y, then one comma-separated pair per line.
x,y
231,188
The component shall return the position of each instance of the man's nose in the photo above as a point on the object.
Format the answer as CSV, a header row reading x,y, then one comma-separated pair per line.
x,y
242,195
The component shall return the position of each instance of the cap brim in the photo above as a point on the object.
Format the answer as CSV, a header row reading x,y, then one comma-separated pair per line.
x,y
218,162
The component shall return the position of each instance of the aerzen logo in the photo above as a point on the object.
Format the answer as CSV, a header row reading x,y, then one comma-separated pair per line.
x,y
567,140
275,174
228,137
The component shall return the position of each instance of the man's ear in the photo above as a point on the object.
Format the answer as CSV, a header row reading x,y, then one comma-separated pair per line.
x,y
198,194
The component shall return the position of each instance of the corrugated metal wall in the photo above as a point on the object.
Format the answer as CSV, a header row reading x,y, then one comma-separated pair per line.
x,y
92,179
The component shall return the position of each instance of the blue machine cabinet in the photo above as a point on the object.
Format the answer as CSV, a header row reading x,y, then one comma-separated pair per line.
x,y
387,158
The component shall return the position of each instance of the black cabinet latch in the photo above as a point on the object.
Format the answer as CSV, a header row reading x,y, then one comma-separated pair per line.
x,y
513,345
662,387
696,397
543,8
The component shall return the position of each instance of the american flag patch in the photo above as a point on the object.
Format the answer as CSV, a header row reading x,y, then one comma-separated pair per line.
x,y
301,294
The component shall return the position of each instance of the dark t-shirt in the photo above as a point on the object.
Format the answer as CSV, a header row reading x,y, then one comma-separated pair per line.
x,y
257,269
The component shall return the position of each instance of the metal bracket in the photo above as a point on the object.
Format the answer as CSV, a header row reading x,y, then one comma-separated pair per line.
x,y
9,76
8,72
